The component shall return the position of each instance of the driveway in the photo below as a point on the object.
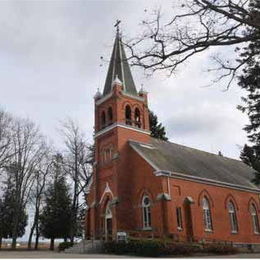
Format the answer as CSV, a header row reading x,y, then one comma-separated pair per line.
x,y
51,254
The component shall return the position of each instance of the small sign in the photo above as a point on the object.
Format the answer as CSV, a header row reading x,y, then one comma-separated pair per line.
x,y
121,237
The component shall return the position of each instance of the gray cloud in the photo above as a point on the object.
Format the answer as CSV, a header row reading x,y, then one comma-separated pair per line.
x,y
50,68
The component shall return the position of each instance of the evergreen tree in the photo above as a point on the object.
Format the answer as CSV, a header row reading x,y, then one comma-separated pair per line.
x,y
156,128
251,157
8,210
55,220
2,226
250,81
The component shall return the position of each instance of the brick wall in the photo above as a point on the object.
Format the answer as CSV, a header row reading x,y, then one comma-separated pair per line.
x,y
127,177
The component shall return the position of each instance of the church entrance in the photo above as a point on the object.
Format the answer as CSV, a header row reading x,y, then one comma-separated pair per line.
x,y
108,223
188,218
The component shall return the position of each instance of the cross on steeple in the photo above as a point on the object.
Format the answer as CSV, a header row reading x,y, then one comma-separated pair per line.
x,y
117,26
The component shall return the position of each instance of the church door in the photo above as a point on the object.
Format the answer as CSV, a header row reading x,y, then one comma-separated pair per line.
x,y
188,218
108,223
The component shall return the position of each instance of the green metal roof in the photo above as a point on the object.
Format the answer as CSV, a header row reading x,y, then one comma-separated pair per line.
x,y
119,67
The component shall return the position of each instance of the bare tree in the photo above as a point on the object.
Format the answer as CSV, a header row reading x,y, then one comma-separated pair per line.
x,y
78,165
5,138
37,193
29,148
194,27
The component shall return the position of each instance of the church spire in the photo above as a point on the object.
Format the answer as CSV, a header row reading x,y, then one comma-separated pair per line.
x,y
119,68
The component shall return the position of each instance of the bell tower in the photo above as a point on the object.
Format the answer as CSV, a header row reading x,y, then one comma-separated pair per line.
x,y
121,114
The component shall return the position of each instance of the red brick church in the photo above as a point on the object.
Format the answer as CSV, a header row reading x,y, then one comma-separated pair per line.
x,y
152,188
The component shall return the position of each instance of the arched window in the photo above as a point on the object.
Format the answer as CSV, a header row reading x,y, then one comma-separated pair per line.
x,y
103,119
108,222
146,207
232,217
110,115
206,214
108,213
128,119
254,217
107,154
137,118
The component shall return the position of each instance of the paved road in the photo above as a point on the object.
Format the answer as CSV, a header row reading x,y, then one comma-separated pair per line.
x,y
49,254
251,255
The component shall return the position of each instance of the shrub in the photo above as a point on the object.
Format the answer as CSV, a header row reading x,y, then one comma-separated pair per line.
x,y
150,248
147,248
116,248
219,249
180,249
64,245
155,248
135,247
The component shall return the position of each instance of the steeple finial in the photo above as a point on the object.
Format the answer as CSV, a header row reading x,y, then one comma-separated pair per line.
x,y
117,27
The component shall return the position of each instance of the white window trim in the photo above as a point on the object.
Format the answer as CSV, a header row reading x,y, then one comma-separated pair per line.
x,y
254,216
179,217
232,217
147,228
146,214
207,218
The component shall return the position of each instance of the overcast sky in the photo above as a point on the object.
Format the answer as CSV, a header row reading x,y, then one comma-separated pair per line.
x,y
50,69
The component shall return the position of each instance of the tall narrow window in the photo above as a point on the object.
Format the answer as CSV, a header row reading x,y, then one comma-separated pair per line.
x,y
146,206
110,115
232,217
137,118
128,119
255,220
206,214
103,119
107,154
104,156
179,218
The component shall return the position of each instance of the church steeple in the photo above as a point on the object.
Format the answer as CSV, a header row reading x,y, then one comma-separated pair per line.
x,y
120,105
119,69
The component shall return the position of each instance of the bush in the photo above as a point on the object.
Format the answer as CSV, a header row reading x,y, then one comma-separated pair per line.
x,y
180,249
135,247
64,245
116,248
147,248
219,249
153,248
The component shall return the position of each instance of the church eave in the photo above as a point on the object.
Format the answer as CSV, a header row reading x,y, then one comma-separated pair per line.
x,y
106,97
109,128
182,176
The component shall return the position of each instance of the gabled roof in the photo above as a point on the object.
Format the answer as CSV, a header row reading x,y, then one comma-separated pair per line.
x,y
119,67
196,164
